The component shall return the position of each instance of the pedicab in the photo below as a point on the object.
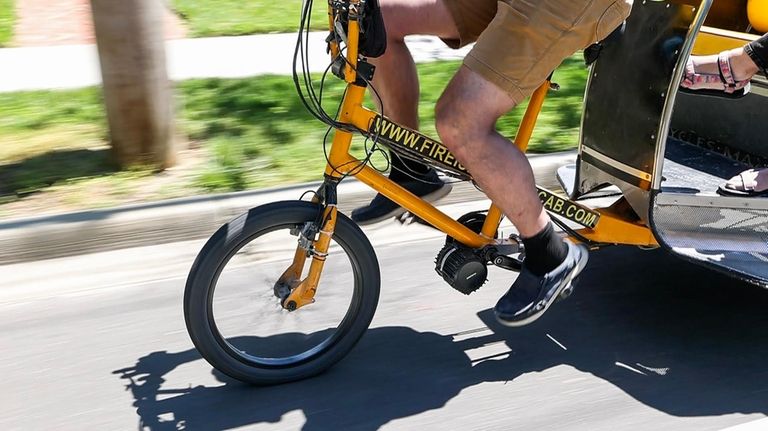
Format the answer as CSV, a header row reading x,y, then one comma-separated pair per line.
x,y
666,151
286,290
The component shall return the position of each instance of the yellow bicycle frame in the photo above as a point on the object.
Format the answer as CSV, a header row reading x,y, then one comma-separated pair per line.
x,y
612,227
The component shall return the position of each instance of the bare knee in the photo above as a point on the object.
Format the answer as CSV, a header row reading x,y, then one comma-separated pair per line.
x,y
467,111
447,129
457,132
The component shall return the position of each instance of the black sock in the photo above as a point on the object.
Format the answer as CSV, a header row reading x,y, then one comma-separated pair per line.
x,y
544,251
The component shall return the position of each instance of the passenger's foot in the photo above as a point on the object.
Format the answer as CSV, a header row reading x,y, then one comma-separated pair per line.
x,y
750,183
530,295
726,74
380,208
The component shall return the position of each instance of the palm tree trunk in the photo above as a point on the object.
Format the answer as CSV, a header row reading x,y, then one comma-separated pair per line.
x,y
137,91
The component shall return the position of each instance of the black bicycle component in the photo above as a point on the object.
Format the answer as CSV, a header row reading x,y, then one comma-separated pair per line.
x,y
338,67
373,33
497,254
365,72
497,258
328,191
461,267
474,221
282,291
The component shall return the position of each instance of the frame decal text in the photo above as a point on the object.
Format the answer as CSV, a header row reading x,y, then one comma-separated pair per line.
x,y
568,210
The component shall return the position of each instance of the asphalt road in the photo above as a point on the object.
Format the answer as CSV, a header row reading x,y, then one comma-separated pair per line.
x,y
646,342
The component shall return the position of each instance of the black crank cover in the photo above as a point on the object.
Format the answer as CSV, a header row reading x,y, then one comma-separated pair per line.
x,y
461,268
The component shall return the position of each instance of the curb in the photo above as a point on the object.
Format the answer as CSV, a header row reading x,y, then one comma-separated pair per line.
x,y
48,237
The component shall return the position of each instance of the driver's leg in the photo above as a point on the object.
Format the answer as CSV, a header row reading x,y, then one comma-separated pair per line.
x,y
498,75
396,80
397,84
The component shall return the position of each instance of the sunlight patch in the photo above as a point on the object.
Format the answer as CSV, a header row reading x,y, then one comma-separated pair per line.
x,y
659,371
294,419
630,368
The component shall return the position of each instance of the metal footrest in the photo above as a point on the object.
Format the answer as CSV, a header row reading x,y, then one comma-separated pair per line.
x,y
726,234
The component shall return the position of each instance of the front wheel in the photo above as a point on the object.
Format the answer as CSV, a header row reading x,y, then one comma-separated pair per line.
x,y
233,309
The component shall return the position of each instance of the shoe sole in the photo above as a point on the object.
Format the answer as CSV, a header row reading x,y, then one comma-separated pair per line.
x,y
569,280
429,197
720,94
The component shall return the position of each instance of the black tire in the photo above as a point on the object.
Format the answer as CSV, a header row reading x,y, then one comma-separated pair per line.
x,y
226,242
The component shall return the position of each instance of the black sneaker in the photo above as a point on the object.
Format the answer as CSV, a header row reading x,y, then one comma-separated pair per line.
x,y
381,208
530,296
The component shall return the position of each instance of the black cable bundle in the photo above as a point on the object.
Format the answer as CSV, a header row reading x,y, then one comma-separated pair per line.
x,y
312,99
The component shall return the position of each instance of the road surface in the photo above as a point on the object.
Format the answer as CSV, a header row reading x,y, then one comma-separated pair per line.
x,y
646,342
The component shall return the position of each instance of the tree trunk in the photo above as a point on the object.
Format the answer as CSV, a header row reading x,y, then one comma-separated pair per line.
x,y
137,91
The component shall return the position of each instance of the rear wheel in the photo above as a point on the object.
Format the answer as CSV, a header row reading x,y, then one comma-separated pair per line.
x,y
232,303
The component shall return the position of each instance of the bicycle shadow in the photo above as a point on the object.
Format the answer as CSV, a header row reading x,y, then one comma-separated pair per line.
x,y
693,349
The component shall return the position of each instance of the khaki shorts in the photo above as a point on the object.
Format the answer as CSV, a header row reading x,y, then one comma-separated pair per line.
x,y
520,42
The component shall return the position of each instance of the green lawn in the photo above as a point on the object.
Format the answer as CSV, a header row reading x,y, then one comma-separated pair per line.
x,y
250,133
233,17
7,18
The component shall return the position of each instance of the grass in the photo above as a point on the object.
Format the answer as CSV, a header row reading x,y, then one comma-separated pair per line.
x,y
7,18
234,17
50,137
247,133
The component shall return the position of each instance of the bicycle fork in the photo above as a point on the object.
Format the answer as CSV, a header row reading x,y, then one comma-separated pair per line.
x,y
314,241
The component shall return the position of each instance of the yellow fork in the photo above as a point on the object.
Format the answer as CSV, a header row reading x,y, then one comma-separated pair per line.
x,y
304,293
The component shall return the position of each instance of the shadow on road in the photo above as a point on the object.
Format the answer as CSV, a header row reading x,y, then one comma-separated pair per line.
x,y
675,337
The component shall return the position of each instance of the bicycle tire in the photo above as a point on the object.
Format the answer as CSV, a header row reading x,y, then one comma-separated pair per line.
x,y
213,258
